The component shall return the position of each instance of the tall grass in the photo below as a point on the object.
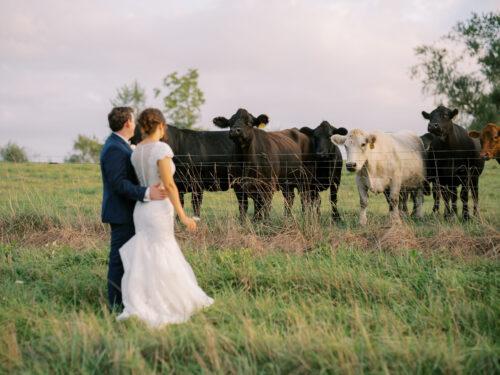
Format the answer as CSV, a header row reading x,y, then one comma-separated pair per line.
x,y
295,295
340,310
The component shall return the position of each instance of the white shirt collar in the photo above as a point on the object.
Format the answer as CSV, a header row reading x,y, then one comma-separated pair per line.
x,y
122,137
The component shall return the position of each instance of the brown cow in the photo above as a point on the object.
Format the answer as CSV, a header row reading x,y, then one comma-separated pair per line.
x,y
271,160
490,141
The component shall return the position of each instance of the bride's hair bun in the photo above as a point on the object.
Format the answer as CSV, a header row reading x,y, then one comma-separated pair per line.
x,y
150,119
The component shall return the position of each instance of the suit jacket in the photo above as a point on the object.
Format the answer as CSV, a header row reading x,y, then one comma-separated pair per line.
x,y
120,185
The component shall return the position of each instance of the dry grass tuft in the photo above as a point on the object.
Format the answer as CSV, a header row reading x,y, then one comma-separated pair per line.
x,y
292,238
293,241
457,242
76,238
352,239
398,237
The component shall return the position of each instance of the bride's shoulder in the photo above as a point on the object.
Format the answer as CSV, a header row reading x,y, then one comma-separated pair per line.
x,y
164,150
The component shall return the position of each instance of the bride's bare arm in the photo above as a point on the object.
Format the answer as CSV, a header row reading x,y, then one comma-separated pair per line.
x,y
165,168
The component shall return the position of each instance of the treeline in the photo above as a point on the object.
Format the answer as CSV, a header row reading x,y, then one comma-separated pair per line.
x,y
181,101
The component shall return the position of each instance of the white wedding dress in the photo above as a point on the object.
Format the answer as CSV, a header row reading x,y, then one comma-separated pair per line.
x,y
158,286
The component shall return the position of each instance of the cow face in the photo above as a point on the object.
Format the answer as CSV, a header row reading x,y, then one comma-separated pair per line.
x,y
440,121
357,144
241,125
322,145
490,141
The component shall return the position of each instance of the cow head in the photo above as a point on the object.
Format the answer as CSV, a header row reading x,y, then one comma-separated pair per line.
x,y
358,145
322,146
440,121
490,140
241,125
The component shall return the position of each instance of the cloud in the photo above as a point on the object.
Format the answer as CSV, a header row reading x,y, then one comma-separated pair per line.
x,y
298,61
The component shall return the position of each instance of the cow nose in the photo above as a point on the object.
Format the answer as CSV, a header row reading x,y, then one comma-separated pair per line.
x,y
350,166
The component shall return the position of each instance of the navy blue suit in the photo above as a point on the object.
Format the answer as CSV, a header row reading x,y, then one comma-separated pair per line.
x,y
120,192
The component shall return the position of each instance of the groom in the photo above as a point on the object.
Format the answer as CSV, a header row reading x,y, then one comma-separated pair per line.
x,y
120,192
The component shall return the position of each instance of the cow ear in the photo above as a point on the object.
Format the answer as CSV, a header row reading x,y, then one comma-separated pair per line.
x,y
371,139
221,122
338,139
453,113
261,121
307,131
474,134
341,131
426,115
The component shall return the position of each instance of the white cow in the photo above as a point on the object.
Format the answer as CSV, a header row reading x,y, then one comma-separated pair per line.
x,y
385,163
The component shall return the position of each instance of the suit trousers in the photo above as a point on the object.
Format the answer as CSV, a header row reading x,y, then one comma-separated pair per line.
x,y
120,234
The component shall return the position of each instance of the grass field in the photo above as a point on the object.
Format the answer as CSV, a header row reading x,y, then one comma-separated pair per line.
x,y
292,296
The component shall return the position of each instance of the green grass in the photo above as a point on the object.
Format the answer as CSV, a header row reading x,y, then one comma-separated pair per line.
x,y
72,192
336,306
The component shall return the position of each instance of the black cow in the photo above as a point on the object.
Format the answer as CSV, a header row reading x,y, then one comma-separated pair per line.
x,y
271,160
454,160
323,166
204,160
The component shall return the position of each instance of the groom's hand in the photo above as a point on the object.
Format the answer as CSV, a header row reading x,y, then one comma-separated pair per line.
x,y
157,193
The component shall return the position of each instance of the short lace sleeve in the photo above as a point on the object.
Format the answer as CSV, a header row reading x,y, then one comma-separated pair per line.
x,y
163,150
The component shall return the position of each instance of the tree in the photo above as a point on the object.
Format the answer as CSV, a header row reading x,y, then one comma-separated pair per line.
x,y
13,153
132,95
184,98
464,68
87,150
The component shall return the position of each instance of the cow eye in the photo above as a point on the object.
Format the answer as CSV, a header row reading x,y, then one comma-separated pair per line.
x,y
363,144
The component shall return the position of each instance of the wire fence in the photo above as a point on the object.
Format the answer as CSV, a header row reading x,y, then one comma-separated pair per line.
x,y
305,172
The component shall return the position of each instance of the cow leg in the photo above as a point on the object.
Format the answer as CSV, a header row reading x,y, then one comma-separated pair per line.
x,y
333,202
257,203
363,203
474,188
394,202
262,205
435,197
196,200
414,199
387,193
445,193
418,202
464,197
316,200
242,199
403,202
181,198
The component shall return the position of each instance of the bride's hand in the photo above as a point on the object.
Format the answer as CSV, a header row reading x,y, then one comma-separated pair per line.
x,y
189,223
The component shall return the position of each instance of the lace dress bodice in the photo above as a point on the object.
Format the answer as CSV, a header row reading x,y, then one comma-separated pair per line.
x,y
145,158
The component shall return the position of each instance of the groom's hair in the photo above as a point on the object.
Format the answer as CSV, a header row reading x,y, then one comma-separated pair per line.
x,y
118,117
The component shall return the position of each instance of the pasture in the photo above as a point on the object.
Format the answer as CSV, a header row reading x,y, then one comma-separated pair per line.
x,y
294,295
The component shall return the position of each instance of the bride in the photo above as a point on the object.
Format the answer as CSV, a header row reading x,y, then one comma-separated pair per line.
x,y
158,286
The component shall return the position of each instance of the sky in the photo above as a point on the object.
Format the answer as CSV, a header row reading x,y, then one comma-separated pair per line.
x,y
298,61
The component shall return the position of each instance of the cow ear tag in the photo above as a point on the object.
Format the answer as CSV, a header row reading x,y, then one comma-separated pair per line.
x,y
262,125
372,145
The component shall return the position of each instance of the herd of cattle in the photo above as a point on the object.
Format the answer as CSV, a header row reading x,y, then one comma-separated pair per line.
x,y
256,163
